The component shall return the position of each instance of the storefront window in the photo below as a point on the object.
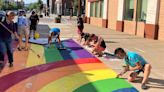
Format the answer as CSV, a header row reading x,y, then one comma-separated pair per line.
x,y
141,10
97,9
129,9
92,9
101,8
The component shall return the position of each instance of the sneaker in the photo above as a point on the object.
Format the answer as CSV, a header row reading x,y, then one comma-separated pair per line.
x,y
19,49
143,86
34,38
11,65
1,66
26,49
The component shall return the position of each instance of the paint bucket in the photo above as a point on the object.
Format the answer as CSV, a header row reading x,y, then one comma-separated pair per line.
x,y
37,35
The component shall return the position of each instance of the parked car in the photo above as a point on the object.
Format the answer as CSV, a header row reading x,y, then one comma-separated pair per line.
x,y
2,15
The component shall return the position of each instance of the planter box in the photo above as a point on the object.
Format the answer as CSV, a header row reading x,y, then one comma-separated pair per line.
x,y
57,20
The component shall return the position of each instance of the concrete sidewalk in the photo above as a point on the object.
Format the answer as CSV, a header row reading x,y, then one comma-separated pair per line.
x,y
151,50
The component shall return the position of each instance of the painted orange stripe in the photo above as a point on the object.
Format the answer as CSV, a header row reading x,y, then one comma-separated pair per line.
x,y
34,83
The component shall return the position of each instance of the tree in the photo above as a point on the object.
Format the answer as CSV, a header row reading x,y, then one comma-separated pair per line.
x,y
33,6
1,4
40,4
8,6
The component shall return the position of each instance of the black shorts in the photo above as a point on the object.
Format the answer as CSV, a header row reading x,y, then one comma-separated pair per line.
x,y
33,27
141,70
103,44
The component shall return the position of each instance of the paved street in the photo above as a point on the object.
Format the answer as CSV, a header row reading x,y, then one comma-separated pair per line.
x,y
44,63
151,50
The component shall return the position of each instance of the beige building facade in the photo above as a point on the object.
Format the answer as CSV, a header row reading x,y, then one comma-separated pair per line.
x,y
143,18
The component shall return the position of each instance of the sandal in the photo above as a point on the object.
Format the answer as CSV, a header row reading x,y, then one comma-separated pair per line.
x,y
19,49
26,49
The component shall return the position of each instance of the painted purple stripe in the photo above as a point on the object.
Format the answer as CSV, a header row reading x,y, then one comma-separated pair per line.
x,y
71,53
11,79
76,48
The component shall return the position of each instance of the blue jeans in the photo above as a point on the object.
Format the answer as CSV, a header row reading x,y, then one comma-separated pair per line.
x,y
6,45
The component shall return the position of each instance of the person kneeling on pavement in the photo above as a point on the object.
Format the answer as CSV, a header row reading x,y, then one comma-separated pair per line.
x,y
135,64
98,44
84,37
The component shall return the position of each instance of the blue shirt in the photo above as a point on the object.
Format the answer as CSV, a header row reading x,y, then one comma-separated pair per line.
x,y
22,21
55,30
132,58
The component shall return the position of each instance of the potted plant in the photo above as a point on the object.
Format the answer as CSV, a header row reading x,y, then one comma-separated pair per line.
x,y
57,20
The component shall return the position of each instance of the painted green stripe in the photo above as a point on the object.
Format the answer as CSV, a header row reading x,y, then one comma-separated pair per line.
x,y
107,85
52,54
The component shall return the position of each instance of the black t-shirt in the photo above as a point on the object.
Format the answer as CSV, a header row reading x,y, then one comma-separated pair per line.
x,y
4,33
34,19
103,44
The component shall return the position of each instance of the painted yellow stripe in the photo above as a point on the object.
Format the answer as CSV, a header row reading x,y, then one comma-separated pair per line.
x,y
33,60
72,82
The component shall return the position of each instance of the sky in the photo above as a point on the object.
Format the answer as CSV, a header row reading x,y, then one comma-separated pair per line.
x,y
32,1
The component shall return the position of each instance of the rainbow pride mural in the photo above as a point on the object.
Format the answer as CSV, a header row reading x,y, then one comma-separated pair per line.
x,y
71,70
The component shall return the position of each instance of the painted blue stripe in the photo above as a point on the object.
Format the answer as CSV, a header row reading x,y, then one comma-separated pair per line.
x,y
71,52
127,90
65,53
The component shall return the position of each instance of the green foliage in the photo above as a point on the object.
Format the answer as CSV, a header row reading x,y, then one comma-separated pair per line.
x,y
33,6
9,6
1,4
75,3
40,4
